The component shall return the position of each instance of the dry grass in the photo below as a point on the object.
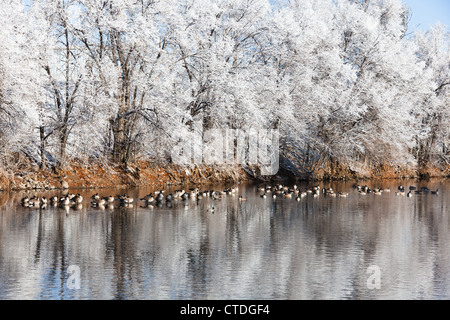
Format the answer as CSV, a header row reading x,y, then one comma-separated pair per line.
x,y
146,173
142,173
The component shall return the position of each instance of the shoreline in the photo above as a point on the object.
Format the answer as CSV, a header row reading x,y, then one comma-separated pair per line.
x,y
145,173
142,174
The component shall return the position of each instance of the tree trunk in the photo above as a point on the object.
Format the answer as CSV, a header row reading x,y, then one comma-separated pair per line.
x,y
62,151
42,137
119,144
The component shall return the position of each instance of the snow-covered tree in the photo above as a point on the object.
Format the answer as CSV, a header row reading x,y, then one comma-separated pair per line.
x,y
121,80
433,114
19,84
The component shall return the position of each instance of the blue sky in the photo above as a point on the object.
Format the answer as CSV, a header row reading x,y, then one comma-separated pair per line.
x,y
428,12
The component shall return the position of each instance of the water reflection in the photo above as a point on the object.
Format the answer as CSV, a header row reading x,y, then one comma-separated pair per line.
x,y
315,248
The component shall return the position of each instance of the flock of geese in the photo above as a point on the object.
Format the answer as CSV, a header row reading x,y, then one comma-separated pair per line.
x,y
401,191
195,194
154,198
66,200
294,192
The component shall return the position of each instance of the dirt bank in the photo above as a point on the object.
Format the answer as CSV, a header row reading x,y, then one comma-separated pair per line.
x,y
340,171
103,176
145,173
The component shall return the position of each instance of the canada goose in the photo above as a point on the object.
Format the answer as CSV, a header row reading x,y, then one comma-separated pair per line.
x,y
71,195
343,194
177,193
54,199
109,199
159,197
184,196
400,193
78,198
25,200
362,192
127,200
263,196
216,196
328,190
34,201
95,197
148,200
298,199
64,201
377,192
409,194
99,203
288,195
44,200
387,190
241,198
147,196
274,196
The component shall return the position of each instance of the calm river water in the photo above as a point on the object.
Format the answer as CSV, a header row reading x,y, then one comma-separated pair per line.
x,y
357,247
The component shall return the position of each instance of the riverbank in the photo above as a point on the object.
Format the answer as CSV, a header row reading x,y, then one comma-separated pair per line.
x,y
337,171
105,176
145,173
359,171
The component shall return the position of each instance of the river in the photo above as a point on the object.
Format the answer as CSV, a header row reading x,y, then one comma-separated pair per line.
x,y
356,247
